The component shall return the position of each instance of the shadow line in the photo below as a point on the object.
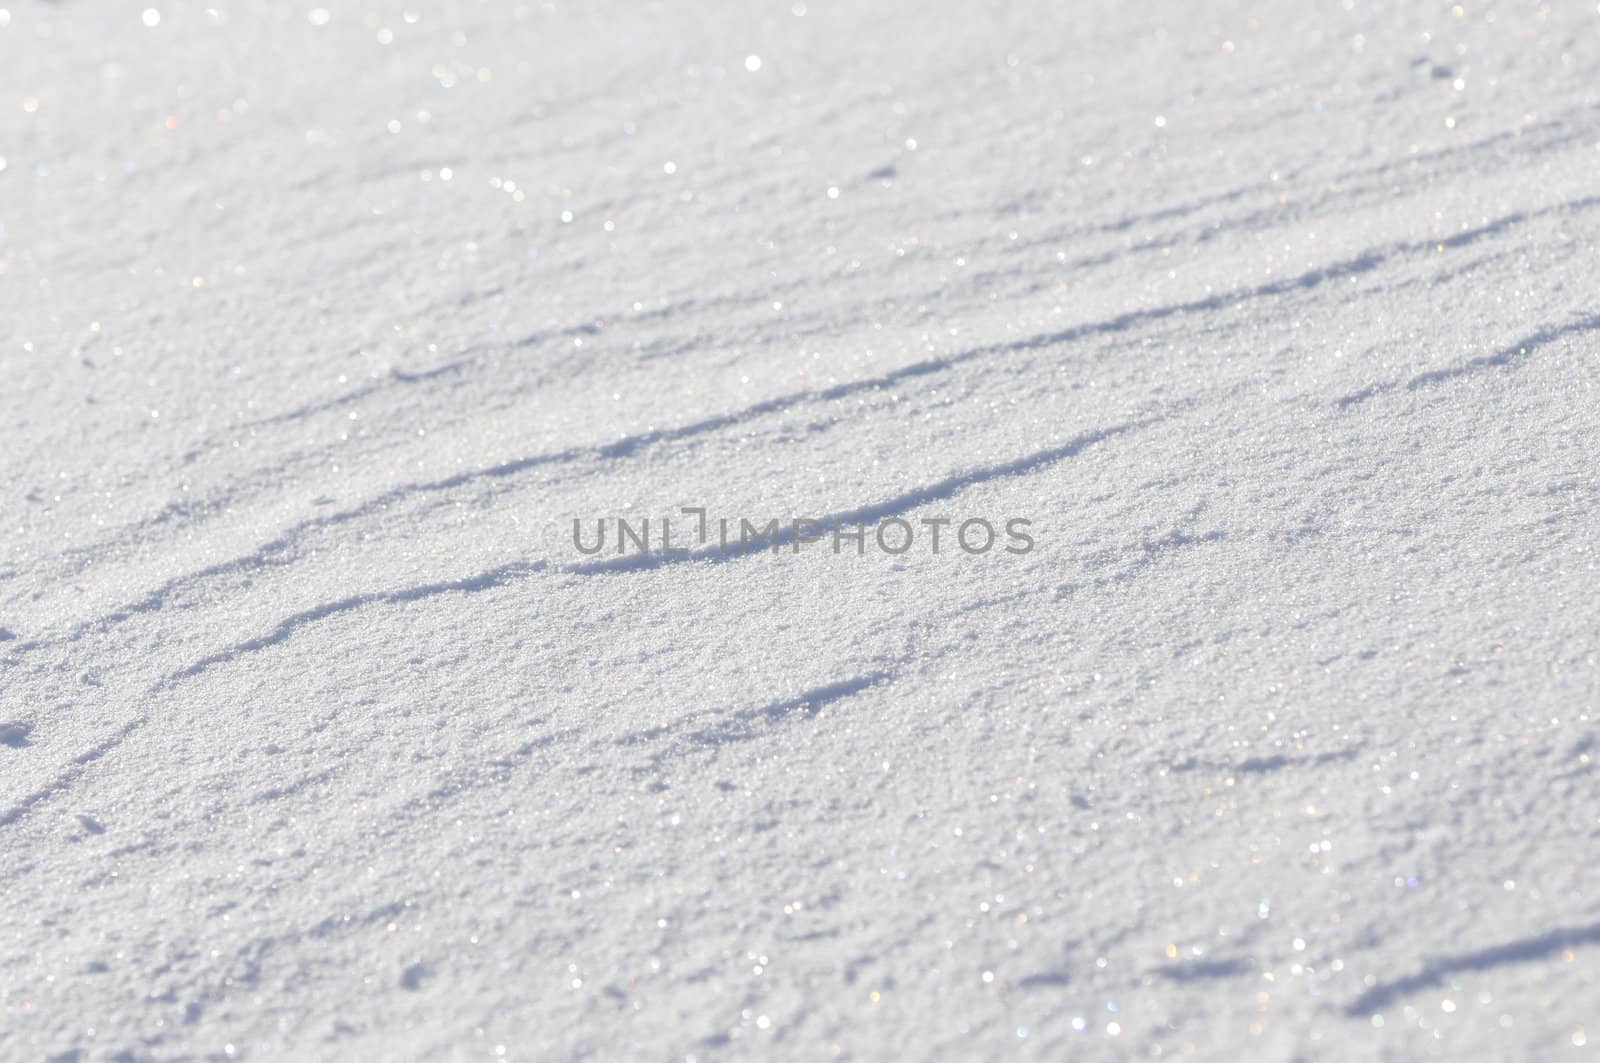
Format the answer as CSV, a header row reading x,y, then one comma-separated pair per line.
x,y
1435,971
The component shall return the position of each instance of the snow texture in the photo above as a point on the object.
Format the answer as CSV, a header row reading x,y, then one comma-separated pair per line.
x,y
319,739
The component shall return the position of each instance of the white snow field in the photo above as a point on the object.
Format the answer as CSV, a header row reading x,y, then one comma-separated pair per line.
x,y
320,739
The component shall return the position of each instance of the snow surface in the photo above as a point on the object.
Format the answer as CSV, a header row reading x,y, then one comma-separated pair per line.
x,y
319,739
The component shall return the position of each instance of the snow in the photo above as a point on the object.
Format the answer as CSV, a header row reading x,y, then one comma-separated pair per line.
x,y
319,738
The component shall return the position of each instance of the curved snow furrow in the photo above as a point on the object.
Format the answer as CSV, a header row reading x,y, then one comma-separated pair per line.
x,y
515,571
1439,970
1510,355
74,770
1332,203
1279,215
1439,277
703,729
289,792
1136,560
1371,185
1575,127
1271,763
1348,267
746,724
916,370
905,502
1455,240
287,627
392,379
500,575
280,550
464,413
